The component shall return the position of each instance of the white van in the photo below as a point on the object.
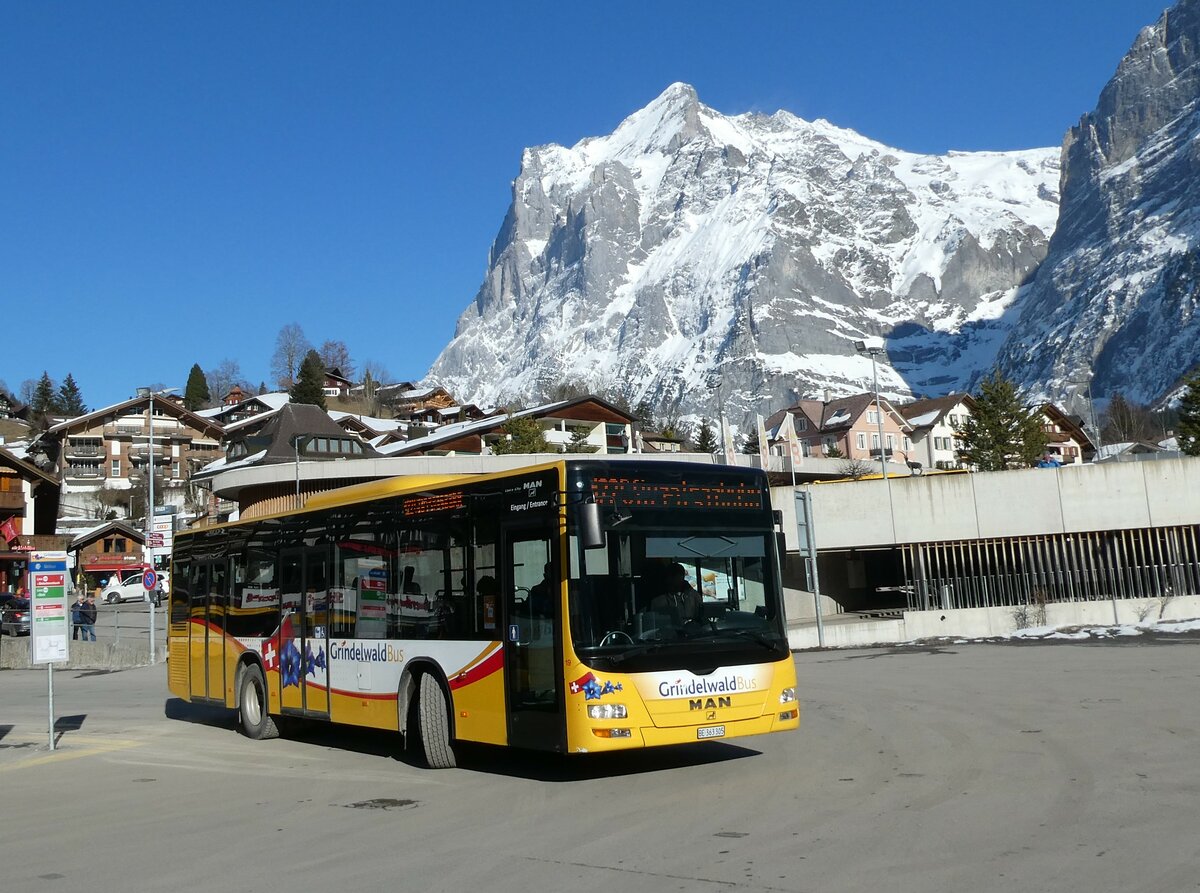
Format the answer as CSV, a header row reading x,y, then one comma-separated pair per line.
x,y
126,586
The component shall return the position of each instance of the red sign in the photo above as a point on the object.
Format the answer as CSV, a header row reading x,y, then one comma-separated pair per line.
x,y
9,530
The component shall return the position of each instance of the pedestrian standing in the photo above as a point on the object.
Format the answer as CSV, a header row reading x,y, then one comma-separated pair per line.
x,y
89,619
77,614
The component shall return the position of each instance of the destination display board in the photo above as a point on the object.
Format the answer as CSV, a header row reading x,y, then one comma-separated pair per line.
x,y
514,497
699,492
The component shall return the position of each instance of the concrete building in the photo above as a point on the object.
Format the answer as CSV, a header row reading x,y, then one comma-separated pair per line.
x,y
1036,541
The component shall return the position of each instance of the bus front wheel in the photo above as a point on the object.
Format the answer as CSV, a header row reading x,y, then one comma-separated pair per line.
x,y
252,706
433,715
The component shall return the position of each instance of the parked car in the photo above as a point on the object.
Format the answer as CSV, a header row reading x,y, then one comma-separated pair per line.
x,y
14,617
127,587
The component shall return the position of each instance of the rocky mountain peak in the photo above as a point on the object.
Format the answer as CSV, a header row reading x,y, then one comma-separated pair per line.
x,y
690,257
1115,301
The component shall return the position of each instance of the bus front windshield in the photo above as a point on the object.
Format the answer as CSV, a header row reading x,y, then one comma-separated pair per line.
x,y
661,598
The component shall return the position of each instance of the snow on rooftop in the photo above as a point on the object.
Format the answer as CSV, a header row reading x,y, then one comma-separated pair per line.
x,y
925,418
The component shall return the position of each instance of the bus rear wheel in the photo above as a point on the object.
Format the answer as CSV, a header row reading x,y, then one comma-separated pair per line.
x,y
252,706
433,717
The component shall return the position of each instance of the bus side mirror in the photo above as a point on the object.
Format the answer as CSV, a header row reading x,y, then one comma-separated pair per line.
x,y
590,530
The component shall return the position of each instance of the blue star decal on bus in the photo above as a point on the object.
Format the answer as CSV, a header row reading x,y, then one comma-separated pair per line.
x,y
593,689
289,664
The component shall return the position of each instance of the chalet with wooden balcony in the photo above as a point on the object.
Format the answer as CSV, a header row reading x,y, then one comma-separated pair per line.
x,y
588,420
28,514
111,449
336,385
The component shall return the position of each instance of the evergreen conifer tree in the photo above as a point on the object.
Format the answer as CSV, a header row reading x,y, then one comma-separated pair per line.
x,y
1001,433
44,399
750,444
579,442
310,382
195,393
706,441
1187,432
70,399
521,434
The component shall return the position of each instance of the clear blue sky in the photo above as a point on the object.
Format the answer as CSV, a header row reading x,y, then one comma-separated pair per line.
x,y
178,180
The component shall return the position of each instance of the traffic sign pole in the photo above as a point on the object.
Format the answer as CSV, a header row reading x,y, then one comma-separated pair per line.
x,y
149,582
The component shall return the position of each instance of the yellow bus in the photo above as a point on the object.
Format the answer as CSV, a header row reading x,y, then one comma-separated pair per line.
x,y
584,605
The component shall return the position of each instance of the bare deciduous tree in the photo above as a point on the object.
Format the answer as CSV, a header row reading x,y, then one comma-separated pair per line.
x,y
378,372
855,468
222,379
1125,422
290,347
336,355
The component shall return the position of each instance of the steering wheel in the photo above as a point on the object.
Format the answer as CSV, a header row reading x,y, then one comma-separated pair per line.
x,y
616,636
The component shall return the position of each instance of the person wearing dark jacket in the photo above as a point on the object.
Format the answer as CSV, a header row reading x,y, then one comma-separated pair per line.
x,y
77,615
88,615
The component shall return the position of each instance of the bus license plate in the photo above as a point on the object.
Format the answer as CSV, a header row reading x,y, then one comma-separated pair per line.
x,y
711,732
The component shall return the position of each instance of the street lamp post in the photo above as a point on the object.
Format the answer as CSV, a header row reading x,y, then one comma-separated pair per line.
x,y
1087,385
149,551
873,347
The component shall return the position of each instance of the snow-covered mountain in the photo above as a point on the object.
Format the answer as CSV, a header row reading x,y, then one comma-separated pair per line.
x,y
1118,293
690,256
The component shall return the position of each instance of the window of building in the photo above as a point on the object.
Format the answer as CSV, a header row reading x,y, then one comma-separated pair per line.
x,y
874,441
873,416
907,445
890,440
175,469
860,440
116,468
801,423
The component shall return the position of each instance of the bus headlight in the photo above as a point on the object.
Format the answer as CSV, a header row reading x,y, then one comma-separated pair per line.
x,y
787,696
606,711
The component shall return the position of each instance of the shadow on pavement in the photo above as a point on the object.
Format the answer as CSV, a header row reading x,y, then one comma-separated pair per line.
x,y
64,724
202,714
512,762
493,760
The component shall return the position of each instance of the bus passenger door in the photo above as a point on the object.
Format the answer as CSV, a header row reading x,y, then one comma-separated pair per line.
x,y
532,594
288,637
314,633
198,629
214,627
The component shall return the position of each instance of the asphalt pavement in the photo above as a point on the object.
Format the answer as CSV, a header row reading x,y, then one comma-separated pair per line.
x,y
943,768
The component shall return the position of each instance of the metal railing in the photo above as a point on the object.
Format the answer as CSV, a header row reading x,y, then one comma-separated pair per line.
x,y
1161,562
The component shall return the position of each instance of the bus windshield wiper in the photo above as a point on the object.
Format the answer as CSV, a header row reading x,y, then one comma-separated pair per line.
x,y
769,644
638,650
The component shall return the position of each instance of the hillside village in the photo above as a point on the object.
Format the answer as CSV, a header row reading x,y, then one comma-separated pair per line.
x,y
85,482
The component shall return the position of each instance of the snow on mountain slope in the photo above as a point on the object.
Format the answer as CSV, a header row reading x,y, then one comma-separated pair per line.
x,y
1117,298
690,255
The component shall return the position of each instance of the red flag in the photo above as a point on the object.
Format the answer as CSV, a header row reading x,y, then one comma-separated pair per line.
x,y
9,530
578,685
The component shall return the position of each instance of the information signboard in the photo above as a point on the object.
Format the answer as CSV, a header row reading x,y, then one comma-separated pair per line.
x,y
49,627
